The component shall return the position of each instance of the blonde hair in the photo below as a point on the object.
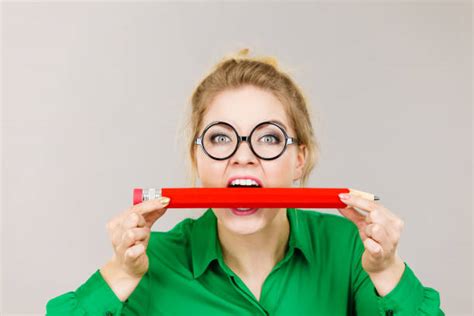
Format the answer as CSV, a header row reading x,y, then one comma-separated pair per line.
x,y
240,70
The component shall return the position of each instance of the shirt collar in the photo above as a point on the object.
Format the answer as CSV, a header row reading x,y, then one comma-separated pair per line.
x,y
205,246
300,237
204,242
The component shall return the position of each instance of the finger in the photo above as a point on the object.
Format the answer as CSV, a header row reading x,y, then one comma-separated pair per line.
x,y
353,215
373,247
398,224
133,220
394,230
133,235
379,234
393,227
151,205
134,253
359,202
117,221
123,221
376,207
377,216
112,225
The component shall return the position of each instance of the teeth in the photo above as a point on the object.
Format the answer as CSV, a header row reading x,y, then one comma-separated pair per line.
x,y
248,182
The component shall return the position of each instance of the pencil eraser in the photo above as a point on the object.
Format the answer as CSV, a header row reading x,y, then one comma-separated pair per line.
x,y
137,196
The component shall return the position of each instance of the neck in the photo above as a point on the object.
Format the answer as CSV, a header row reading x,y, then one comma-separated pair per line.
x,y
256,253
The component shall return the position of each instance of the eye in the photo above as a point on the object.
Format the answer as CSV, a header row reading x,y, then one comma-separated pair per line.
x,y
271,139
219,138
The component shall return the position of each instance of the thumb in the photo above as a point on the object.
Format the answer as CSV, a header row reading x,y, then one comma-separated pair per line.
x,y
152,210
152,217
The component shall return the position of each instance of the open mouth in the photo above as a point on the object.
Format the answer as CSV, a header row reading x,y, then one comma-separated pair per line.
x,y
243,186
244,183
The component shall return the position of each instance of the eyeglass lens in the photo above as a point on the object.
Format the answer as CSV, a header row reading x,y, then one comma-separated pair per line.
x,y
267,140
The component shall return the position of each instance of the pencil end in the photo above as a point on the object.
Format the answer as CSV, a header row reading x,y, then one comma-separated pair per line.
x,y
376,198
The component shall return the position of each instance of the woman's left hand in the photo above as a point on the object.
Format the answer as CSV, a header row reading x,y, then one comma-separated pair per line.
x,y
380,232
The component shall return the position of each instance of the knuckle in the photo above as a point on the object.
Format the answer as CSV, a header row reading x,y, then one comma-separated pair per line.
x,y
130,234
128,254
140,219
376,229
134,217
124,238
368,205
372,207
144,233
376,215
368,229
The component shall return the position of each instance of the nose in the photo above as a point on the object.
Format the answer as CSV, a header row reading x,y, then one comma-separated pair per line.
x,y
244,154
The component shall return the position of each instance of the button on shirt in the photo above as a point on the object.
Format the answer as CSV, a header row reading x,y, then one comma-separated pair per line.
x,y
320,274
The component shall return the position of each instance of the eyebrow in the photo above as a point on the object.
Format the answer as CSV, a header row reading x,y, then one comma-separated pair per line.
x,y
279,123
272,121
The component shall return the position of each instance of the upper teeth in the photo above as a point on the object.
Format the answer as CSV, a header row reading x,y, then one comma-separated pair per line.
x,y
244,182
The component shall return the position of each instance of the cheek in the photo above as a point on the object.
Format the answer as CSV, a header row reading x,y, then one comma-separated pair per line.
x,y
280,171
209,171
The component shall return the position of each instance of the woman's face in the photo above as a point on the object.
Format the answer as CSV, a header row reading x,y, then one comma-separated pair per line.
x,y
244,108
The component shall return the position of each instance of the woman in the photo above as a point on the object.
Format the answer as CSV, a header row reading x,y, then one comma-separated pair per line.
x,y
258,261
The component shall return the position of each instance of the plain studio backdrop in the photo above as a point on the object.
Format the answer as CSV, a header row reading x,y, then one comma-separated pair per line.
x,y
94,97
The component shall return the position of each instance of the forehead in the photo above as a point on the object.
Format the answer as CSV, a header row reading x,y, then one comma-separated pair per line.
x,y
244,108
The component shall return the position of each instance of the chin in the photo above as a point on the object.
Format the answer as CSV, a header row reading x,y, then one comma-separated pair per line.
x,y
242,225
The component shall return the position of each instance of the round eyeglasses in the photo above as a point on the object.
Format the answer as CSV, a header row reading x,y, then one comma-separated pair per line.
x,y
267,140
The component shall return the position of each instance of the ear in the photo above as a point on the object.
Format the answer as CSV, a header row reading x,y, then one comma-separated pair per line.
x,y
300,161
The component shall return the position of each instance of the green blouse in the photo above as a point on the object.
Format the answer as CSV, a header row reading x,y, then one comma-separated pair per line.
x,y
320,274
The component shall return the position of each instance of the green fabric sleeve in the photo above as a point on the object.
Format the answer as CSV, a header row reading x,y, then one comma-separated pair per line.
x,y
94,297
408,298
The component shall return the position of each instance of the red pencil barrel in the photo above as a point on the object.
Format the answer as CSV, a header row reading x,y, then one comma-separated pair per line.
x,y
254,197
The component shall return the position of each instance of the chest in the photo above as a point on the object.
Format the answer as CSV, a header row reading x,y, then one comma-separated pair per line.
x,y
254,284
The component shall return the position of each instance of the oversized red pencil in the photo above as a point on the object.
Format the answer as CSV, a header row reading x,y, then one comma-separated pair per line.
x,y
249,197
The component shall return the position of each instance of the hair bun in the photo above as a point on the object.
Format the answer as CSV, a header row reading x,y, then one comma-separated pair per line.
x,y
243,52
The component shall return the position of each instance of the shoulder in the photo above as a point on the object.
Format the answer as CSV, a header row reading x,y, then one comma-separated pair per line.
x,y
169,252
178,236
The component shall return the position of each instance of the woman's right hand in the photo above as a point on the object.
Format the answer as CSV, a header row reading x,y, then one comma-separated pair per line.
x,y
129,233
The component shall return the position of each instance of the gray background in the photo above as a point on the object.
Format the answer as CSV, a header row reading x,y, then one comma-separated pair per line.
x,y
94,96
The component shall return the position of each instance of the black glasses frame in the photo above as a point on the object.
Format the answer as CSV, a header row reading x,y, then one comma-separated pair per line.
x,y
288,140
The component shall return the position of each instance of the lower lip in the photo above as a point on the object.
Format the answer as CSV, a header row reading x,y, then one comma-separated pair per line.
x,y
244,213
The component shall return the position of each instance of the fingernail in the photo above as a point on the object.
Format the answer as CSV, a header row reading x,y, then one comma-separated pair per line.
x,y
344,196
164,200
